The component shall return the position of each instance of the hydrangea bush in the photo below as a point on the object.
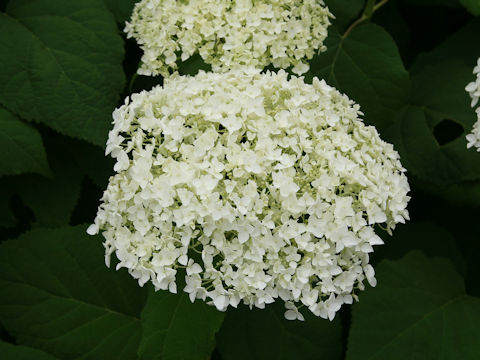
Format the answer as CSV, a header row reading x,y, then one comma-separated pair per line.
x,y
473,89
260,186
227,34
239,186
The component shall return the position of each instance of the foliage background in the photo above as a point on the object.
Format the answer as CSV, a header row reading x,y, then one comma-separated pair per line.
x,y
65,65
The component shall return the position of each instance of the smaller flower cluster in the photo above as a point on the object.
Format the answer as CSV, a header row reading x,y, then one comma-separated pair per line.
x,y
228,34
474,90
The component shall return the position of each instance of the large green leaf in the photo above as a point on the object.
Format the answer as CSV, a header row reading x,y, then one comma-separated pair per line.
x,y
174,328
61,65
21,147
57,295
413,133
419,310
265,334
14,352
366,65
439,97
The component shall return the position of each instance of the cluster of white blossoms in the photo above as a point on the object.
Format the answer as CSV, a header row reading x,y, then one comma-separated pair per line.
x,y
473,89
253,186
228,34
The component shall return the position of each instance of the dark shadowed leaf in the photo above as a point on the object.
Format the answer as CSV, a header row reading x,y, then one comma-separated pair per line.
x,y
414,135
58,296
462,194
53,199
345,12
21,147
448,3
458,46
265,334
7,190
174,328
15,352
419,310
121,9
92,161
431,239
192,65
430,132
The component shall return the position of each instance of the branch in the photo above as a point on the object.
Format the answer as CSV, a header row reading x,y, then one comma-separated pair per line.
x,y
368,12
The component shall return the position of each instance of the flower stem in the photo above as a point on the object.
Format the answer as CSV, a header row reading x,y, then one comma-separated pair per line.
x,y
368,12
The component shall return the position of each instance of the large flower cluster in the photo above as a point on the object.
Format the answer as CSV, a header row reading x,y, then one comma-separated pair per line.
x,y
255,186
228,33
473,89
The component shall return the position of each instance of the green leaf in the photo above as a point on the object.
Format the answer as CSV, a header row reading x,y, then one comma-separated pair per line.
x,y
366,65
431,239
345,11
457,47
61,65
21,147
472,5
413,133
265,334
14,352
449,170
91,160
53,199
461,194
58,296
439,158
419,310
121,9
174,328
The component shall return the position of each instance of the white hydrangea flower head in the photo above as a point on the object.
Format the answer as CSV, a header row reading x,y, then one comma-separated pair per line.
x,y
473,139
226,34
254,187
